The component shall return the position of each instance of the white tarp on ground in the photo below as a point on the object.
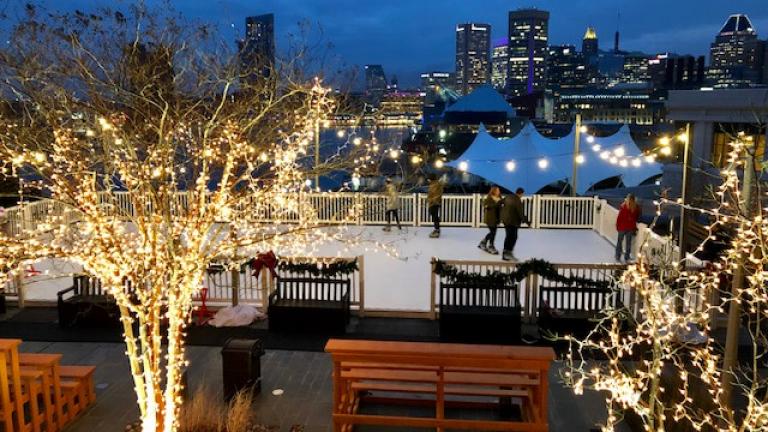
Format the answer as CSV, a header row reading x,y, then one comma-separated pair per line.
x,y
604,158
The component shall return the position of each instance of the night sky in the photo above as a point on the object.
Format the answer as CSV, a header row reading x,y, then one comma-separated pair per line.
x,y
412,36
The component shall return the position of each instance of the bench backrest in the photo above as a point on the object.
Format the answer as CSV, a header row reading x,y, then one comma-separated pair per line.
x,y
88,286
304,288
480,295
577,298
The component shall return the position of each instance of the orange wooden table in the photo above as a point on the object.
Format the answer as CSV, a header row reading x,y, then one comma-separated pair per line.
x,y
444,371
48,364
10,393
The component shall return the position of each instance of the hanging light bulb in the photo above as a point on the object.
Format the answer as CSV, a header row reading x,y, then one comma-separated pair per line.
x,y
357,141
580,159
543,163
614,160
596,148
605,155
664,141
340,134
623,163
511,166
463,166
415,159
666,151
583,129
439,164
619,152
650,158
636,162
394,154
590,139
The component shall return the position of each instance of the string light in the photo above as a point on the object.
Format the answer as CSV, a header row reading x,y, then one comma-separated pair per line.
x,y
511,166
664,141
580,159
439,164
394,154
618,151
463,166
666,151
543,163
590,139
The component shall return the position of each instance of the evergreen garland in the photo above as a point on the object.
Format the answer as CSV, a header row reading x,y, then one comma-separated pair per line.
x,y
532,266
326,270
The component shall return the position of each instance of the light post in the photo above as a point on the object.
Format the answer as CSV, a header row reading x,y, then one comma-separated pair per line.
x,y
576,150
686,138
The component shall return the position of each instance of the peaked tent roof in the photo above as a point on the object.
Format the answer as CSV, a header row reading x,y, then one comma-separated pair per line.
x,y
483,99
605,157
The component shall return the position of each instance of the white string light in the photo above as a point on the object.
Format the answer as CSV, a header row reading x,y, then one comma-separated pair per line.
x,y
511,166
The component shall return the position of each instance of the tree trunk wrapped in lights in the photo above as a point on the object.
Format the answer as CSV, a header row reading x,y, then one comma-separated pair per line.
x,y
162,154
655,369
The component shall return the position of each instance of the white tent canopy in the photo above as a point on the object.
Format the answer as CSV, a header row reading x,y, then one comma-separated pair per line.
x,y
533,161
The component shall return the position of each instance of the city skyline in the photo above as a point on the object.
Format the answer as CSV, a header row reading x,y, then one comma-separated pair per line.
x,y
362,32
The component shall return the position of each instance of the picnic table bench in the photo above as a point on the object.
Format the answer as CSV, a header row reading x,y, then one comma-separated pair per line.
x,y
86,303
443,376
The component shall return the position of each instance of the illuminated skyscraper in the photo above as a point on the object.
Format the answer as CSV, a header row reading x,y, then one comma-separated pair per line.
x,y
375,82
257,50
473,56
528,41
736,55
566,68
589,45
500,64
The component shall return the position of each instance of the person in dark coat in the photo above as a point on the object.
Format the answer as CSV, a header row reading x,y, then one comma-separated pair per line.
x,y
492,206
512,215
434,201
626,226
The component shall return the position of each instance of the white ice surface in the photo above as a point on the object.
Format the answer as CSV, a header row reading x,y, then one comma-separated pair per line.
x,y
403,283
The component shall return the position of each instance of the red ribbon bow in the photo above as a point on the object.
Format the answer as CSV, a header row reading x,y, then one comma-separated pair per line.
x,y
262,260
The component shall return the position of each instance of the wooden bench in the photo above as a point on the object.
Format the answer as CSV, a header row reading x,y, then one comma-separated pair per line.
x,y
440,376
86,303
479,313
572,310
310,304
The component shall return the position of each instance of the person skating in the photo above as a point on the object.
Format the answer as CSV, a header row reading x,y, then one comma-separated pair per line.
x,y
492,206
434,201
512,215
393,205
626,225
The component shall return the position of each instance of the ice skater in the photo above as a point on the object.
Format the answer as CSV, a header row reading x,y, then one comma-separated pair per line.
x,y
492,206
393,205
434,202
512,215
626,225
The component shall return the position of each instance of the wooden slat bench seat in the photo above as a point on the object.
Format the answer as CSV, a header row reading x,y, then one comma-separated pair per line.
x,y
479,313
441,376
310,305
571,310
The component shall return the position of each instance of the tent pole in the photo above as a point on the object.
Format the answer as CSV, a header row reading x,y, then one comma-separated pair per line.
x,y
576,139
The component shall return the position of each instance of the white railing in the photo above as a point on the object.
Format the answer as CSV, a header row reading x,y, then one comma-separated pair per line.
x,y
240,286
457,210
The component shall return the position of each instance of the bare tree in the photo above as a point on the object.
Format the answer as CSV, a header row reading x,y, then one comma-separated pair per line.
x,y
162,151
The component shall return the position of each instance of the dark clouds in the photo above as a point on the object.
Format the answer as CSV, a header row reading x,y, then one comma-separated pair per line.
x,y
411,36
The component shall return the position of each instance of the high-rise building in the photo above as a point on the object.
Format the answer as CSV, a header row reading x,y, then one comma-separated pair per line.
x,y
257,50
737,56
473,56
589,47
500,64
436,79
673,72
566,68
375,82
635,69
528,40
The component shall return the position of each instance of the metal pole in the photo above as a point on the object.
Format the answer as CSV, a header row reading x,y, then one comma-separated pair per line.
x,y
576,139
682,240
317,154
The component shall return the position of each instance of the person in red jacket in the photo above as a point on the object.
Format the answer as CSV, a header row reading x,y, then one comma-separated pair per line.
x,y
626,225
